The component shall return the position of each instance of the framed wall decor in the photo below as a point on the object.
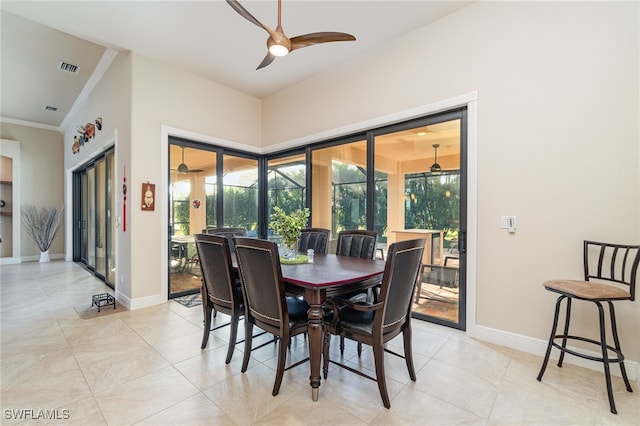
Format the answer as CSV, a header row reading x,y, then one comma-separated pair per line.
x,y
148,196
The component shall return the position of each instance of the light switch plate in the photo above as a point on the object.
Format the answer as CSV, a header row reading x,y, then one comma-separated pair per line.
x,y
507,222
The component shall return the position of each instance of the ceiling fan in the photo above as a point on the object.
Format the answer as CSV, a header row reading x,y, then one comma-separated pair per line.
x,y
435,167
183,168
278,43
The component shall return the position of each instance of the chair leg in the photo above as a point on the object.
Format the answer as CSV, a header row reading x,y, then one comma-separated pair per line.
x,y
565,333
408,353
614,332
325,354
419,285
282,357
553,333
248,337
605,358
359,349
341,345
378,356
207,323
233,334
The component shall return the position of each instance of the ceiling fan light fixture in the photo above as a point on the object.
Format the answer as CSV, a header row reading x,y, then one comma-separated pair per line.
x,y
182,168
278,50
435,167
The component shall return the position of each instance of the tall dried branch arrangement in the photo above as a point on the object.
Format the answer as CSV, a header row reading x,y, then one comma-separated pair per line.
x,y
42,223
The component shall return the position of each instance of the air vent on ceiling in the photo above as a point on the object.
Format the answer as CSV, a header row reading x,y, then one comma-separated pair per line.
x,y
50,108
66,66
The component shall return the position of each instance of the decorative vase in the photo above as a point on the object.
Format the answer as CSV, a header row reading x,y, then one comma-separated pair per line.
x,y
290,249
44,256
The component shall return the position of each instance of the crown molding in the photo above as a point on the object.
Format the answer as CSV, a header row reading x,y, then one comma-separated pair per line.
x,y
31,124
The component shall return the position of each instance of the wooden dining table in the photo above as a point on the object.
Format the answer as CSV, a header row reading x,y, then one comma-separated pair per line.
x,y
328,275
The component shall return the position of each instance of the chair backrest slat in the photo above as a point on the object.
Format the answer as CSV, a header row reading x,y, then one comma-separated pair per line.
x,y
617,263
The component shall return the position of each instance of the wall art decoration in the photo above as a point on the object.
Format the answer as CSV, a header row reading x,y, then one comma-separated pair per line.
x,y
85,133
148,197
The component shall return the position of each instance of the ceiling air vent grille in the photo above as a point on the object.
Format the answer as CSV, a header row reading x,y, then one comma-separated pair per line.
x,y
50,108
66,66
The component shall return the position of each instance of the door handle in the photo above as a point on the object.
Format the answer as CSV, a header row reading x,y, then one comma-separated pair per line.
x,y
462,241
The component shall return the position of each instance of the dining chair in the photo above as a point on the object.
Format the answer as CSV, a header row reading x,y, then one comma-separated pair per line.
x,y
266,304
314,238
376,323
221,290
228,232
357,243
606,263
360,243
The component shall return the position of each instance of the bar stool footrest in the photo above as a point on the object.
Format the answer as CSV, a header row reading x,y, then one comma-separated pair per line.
x,y
620,356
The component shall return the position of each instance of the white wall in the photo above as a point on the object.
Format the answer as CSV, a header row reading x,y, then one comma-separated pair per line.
x,y
166,97
558,131
111,100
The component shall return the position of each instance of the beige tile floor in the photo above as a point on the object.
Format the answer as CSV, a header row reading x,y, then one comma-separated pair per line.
x,y
145,367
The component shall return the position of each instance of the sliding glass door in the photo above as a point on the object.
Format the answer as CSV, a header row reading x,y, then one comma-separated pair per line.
x,y
94,207
419,189
208,188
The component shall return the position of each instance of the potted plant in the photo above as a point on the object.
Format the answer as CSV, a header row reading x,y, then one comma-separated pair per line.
x,y
42,224
288,226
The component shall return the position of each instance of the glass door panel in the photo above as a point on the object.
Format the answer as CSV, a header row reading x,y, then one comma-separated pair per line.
x,y
240,193
192,181
417,176
94,204
339,181
84,217
286,186
110,203
100,219
286,183
91,217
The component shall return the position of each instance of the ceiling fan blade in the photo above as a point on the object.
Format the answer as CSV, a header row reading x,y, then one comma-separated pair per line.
x,y
298,42
248,16
266,61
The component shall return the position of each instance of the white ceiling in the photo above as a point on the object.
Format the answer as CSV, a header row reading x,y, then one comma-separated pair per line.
x,y
207,38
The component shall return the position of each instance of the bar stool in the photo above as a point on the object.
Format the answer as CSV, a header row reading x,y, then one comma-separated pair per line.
x,y
615,263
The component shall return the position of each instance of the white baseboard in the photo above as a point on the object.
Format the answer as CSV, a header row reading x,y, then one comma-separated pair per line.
x,y
36,258
144,302
10,260
538,347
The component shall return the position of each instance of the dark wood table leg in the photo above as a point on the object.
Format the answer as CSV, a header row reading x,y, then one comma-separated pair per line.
x,y
315,298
